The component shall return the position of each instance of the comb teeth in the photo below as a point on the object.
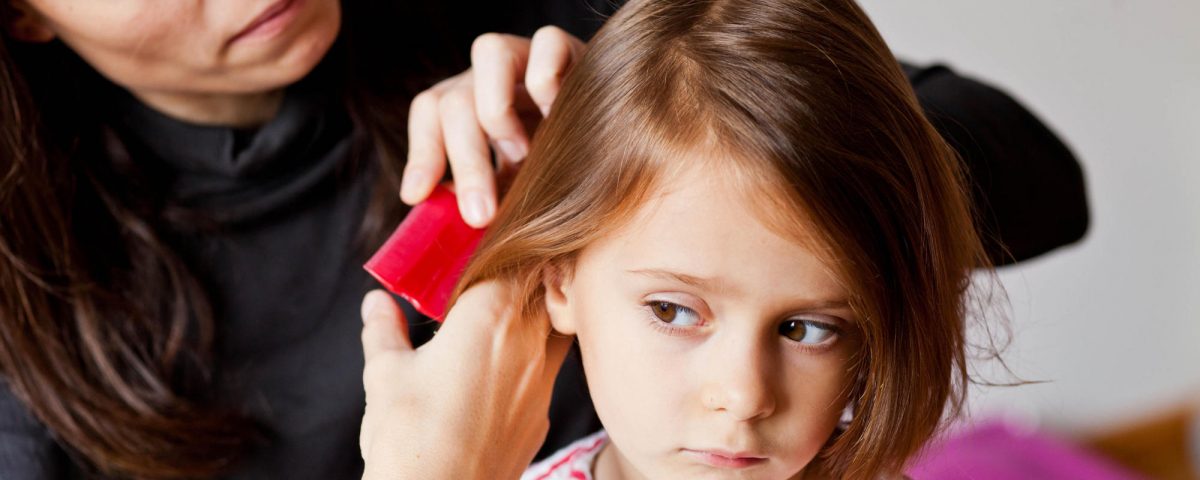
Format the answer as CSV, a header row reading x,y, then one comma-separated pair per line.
x,y
425,257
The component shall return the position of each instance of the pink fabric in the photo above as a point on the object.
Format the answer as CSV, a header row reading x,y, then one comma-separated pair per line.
x,y
1000,451
573,462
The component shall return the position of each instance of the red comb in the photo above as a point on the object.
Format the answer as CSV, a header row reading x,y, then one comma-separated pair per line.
x,y
425,257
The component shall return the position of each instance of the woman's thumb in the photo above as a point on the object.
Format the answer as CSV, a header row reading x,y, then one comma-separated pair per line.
x,y
384,327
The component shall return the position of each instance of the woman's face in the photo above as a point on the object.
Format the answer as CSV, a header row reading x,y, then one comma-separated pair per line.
x,y
713,347
195,47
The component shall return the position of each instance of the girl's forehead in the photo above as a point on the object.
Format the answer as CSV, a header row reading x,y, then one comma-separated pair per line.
x,y
750,189
702,223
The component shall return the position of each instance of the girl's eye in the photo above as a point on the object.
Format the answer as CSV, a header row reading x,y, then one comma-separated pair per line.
x,y
806,331
674,314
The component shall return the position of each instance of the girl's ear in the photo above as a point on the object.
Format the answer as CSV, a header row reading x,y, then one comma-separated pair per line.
x,y
23,23
557,284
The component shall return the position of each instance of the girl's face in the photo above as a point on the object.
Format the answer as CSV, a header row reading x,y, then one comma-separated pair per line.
x,y
713,347
193,47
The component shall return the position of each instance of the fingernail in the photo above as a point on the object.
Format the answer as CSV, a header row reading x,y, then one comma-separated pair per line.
x,y
476,210
513,150
370,303
411,182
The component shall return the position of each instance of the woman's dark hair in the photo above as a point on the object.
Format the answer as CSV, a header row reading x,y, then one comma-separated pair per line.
x,y
802,103
104,333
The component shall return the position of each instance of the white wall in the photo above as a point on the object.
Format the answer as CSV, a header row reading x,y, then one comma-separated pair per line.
x,y
1113,322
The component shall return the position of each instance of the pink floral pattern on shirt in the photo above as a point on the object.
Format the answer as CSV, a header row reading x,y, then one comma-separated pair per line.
x,y
573,462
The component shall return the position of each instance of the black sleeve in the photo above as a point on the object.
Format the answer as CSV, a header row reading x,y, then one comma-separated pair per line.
x,y
1027,185
27,451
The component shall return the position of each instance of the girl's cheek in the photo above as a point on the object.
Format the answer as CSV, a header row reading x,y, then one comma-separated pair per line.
x,y
626,350
821,384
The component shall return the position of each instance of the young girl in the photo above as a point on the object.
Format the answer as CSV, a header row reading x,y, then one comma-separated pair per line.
x,y
759,241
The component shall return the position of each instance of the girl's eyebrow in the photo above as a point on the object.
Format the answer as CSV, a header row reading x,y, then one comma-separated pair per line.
x,y
710,284
692,280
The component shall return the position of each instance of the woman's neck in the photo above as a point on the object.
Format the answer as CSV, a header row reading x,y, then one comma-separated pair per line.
x,y
228,110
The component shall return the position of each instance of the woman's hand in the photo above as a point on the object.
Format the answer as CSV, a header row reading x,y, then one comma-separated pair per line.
x,y
509,88
471,404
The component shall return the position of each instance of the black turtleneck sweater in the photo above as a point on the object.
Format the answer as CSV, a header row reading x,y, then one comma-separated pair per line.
x,y
280,260
281,269
285,278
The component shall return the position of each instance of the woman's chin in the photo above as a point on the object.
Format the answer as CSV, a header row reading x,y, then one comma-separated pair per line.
x,y
281,61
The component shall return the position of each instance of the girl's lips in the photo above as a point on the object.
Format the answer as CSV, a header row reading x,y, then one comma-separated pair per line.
x,y
723,459
272,21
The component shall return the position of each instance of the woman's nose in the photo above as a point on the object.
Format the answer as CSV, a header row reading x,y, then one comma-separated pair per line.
x,y
739,382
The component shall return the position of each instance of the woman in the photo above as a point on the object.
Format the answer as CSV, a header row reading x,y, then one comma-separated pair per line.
x,y
167,163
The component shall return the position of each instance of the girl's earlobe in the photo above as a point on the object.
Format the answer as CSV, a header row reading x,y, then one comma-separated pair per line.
x,y
23,23
557,285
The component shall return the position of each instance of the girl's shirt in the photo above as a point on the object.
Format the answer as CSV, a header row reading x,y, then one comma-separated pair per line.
x,y
573,462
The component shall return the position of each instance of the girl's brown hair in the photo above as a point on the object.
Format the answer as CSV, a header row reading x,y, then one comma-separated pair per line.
x,y
803,98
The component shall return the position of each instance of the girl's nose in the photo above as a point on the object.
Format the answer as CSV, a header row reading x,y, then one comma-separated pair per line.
x,y
740,382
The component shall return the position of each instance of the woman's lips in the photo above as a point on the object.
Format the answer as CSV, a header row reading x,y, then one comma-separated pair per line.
x,y
724,459
272,21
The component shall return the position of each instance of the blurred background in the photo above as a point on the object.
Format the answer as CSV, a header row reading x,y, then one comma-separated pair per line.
x,y
1111,324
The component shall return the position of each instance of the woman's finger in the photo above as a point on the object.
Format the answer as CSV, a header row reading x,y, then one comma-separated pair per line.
x,y
384,327
470,156
478,310
551,54
426,154
498,63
